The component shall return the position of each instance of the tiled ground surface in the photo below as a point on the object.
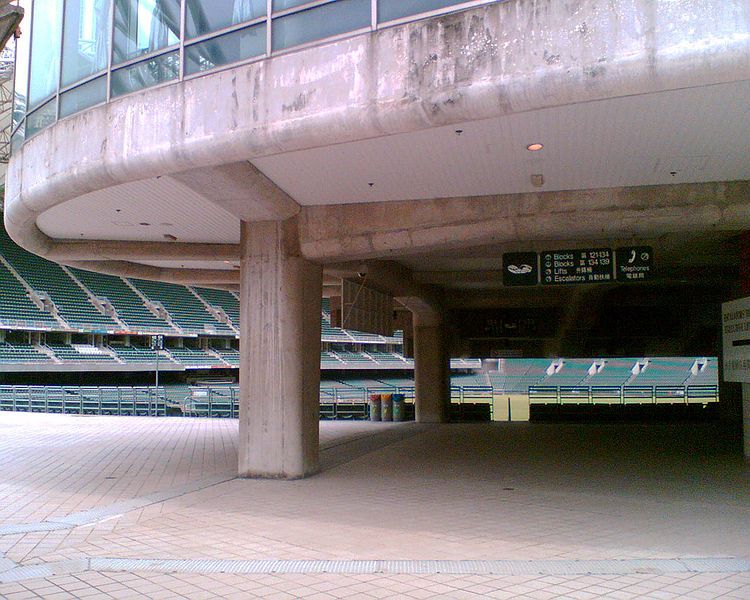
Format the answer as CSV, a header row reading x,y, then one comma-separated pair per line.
x,y
491,491
91,584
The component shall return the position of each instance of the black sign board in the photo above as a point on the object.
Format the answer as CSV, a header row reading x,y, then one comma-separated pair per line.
x,y
490,323
559,267
520,268
634,263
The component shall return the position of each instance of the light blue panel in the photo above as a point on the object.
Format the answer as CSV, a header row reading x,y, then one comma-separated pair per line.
x,y
226,49
320,22
205,16
84,96
145,74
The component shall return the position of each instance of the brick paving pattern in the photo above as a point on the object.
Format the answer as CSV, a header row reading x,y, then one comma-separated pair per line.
x,y
406,492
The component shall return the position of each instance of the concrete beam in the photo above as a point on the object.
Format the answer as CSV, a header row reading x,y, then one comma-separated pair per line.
x,y
387,229
207,277
242,190
397,280
134,251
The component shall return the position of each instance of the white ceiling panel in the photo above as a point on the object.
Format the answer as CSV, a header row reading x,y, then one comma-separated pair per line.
x,y
144,210
700,134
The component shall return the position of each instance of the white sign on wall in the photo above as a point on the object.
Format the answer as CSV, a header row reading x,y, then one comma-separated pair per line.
x,y
735,324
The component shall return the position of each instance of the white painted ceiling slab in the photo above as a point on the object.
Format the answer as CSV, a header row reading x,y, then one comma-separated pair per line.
x,y
700,134
144,210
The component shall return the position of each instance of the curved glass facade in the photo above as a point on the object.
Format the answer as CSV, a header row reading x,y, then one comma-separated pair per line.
x,y
75,54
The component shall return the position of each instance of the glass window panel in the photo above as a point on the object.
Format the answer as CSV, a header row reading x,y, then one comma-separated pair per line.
x,y
21,83
205,16
45,50
85,39
145,74
285,4
42,117
395,9
320,22
225,49
16,140
82,97
143,26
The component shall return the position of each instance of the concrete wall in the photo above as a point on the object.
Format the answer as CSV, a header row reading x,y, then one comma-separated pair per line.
x,y
491,61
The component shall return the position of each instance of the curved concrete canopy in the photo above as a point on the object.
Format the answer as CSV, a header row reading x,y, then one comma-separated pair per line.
x,y
490,62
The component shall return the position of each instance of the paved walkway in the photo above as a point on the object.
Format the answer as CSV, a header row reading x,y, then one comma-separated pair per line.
x,y
137,507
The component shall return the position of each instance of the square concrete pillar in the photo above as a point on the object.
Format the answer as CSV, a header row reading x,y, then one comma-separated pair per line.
x,y
279,353
432,389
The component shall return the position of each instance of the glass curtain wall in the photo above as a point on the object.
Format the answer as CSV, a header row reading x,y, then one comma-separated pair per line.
x,y
21,77
208,16
85,53
144,26
85,50
389,10
68,46
45,51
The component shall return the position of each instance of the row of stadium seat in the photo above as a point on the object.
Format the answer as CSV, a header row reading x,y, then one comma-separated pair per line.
x,y
134,302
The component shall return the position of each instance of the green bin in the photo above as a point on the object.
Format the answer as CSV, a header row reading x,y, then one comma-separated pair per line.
x,y
398,407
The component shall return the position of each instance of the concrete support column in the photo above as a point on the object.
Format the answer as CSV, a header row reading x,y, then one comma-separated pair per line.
x,y
746,419
431,373
279,353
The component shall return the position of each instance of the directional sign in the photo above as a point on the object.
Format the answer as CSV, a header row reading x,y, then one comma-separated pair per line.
x,y
735,317
157,342
520,268
559,267
634,263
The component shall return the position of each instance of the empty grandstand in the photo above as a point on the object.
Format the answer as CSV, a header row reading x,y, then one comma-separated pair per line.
x,y
57,319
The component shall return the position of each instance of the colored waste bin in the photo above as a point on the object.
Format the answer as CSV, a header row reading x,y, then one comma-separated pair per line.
x,y
398,407
386,407
375,405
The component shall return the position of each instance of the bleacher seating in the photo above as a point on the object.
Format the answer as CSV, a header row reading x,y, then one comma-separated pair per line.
x,y
709,375
329,359
572,373
195,357
333,334
365,338
69,353
664,372
228,355
71,301
222,299
186,310
614,373
21,353
134,354
354,357
16,307
129,306
387,358
515,376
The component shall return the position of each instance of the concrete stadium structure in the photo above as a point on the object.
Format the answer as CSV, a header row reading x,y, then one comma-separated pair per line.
x,y
280,150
